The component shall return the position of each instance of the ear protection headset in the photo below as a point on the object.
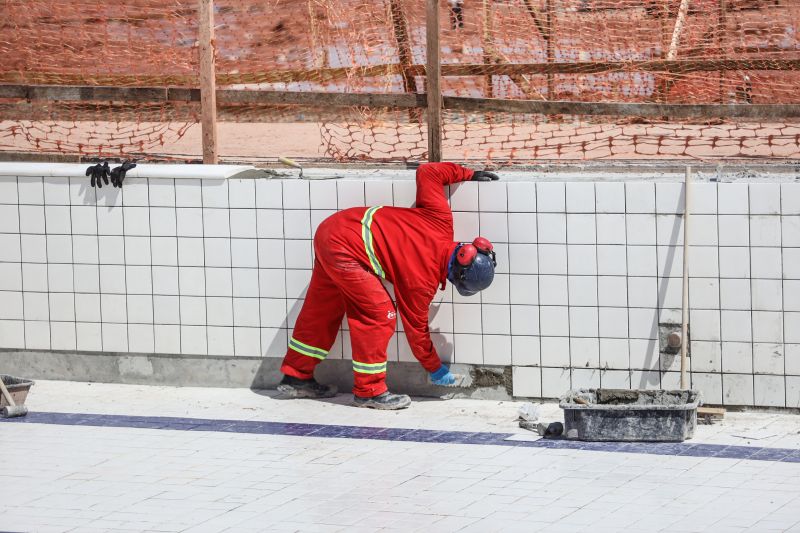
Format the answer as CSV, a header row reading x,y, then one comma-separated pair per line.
x,y
467,253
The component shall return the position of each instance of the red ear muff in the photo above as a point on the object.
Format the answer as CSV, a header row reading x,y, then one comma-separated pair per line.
x,y
483,245
466,255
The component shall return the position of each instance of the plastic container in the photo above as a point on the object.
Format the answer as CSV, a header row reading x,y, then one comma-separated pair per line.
x,y
630,415
17,387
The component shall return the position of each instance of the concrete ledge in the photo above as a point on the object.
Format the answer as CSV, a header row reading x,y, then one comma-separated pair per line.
x,y
490,383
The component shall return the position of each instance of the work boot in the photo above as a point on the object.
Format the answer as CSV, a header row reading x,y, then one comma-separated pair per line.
x,y
387,400
305,388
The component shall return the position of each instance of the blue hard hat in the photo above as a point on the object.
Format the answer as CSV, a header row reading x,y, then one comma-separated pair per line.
x,y
476,276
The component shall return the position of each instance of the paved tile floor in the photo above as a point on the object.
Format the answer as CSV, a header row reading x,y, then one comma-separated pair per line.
x,y
214,465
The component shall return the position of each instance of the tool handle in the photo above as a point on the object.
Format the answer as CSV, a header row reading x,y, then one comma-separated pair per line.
x,y
6,394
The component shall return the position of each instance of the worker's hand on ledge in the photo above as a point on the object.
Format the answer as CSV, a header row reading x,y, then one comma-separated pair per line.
x,y
442,376
484,175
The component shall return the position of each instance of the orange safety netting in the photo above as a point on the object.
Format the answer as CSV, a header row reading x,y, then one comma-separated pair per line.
x,y
730,51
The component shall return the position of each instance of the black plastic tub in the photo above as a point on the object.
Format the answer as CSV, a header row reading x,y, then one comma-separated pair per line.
x,y
630,415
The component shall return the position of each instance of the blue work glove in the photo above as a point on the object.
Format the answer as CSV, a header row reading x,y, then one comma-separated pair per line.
x,y
443,376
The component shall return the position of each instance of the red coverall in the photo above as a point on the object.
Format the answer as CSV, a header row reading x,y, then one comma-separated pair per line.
x,y
410,247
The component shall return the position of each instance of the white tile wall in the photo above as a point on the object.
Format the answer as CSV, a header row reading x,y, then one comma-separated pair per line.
x,y
586,272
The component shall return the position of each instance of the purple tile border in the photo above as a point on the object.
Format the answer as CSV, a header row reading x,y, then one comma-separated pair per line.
x,y
720,451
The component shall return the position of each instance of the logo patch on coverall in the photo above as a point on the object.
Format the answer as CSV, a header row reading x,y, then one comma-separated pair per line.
x,y
391,315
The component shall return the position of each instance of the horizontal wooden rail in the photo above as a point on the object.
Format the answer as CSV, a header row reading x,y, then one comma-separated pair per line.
x,y
397,101
679,66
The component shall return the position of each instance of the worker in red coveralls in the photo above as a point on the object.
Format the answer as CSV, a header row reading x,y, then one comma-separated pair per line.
x,y
412,248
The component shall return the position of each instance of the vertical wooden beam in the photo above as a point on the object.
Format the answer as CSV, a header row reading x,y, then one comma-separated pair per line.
x,y
550,51
721,23
687,209
433,74
676,32
404,53
488,46
208,85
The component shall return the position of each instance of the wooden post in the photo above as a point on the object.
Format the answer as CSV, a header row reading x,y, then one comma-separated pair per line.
x,y
208,86
550,52
676,32
488,46
720,37
433,76
687,206
404,53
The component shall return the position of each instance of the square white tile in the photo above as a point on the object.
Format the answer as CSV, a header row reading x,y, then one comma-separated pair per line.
x,y
404,193
642,261
216,222
735,294
736,326
611,260
215,193
550,197
521,197
669,230
136,220
191,251
640,229
194,340
704,198
615,379
496,350
522,227
271,253
246,312
62,336
138,279
704,230
526,289
243,223
36,306
643,356
791,263
244,253
12,305
87,278
580,197
218,282
669,198
703,261
465,226
765,230
767,294
141,338
737,389
612,291
297,283
274,342
737,357
247,341
609,197
552,228
217,252
467,349
524,320
242,193
642,292
553,290
523,258
89,336
166,310
492,196
585,378
8,191
790,198
525,350
219,311
137,251
296,194
37,335
611,229
582,259
765,263
583,321
30,190
710,385
57,219
791,295
60,278
269,194
192,281
614,324
350,193
31,219
640,197
34,277
163,222
192,310
10,247
161,192
34,248
642,323
494,226
109,221
706,356
140,309
59,248
497,292
734,262
9,218
375,193
581,229
765,198
704,293
114,308
10,277
768,358
554,321
767,326
555,382
769,391
189,222
83,219
733,198
613,352
582,290
165,280
526,382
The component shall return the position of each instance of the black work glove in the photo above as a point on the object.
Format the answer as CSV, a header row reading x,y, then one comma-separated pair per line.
x,y
99,174
118,173
483,175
